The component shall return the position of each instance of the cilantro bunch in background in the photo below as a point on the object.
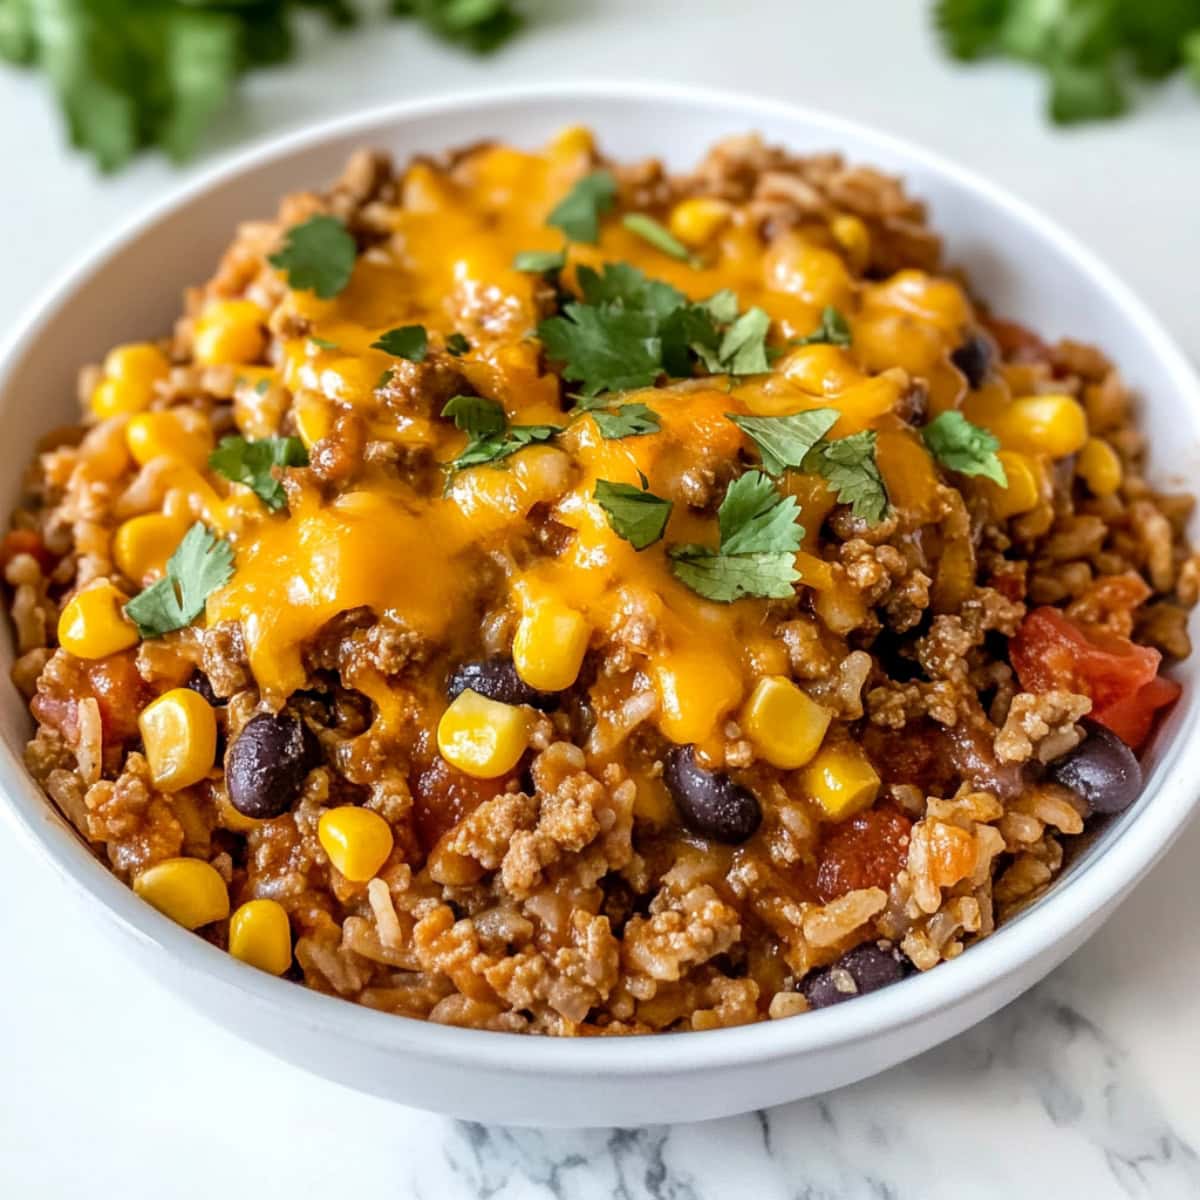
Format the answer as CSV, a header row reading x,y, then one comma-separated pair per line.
x,y
1093,51
134,74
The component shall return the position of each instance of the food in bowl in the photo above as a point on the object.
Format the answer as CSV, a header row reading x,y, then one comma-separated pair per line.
x,y
540,594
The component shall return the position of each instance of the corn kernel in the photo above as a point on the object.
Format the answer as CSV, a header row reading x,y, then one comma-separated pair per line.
x,y
841,781
1024,490
1048,424
571,144
130,373
179,731
142,545
93,623
482,737
1100,466
229,332
695,691
854,238
357,840
785,724
182,434
188,890
697,220
549,646
261,935
103,454
312,417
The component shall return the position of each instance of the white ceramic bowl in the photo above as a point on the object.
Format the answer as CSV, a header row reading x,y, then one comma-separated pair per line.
x,y
1022,264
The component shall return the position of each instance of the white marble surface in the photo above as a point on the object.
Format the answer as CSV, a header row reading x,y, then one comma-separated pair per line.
x,y
1090,1084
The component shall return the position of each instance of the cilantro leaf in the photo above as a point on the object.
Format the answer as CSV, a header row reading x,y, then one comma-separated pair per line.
x,y
477,25
476,416
317,256
621,283
630,420
743,349
457,345
638,516
253,463
491,437
785,441
608,348
409,341
201,564
722,306
578,213
322,343
963,447
759,537
848,465
540,262
833,330
661,238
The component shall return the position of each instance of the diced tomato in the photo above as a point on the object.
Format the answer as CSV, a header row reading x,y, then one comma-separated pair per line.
x,y
866,851
1051,652
443,796
1132,718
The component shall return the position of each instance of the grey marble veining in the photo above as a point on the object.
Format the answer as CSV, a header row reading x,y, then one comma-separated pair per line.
x,y
1040,1100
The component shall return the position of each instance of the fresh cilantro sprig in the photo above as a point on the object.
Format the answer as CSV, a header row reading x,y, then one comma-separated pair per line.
x,y
491,438
1092,51
578,213
135,74
661,238
201,563
960,446
253,463
457,345
626,420
755,556
834,330
318,256
743,348
409,341
635,514
540,262
847,464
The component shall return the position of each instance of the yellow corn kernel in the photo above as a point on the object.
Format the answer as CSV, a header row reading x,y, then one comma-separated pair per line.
x,y
142,545
821,370
261,935
93,623
1050,424
313,420
482,737
570,144
179,732
697,220
350,380
696,689
179,433
785,724
357,840
188,890
549,646
130,373
103,453
1024,490
1100,466
841,781
854,238
229,332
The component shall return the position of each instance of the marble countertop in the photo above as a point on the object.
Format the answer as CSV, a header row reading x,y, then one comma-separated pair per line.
x,y
1090,1083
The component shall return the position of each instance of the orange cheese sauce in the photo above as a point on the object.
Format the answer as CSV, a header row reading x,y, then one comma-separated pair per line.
x,y
447,264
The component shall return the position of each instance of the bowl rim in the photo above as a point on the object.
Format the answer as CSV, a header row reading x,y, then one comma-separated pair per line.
x,y
1160,814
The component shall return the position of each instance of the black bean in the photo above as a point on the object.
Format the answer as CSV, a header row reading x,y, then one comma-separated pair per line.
x,y
866,968
1101,769
708,802
497,679
198,682
973,358
266,765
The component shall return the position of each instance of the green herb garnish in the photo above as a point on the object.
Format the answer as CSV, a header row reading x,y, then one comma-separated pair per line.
x,y
786,441
637,515
540,262
759,537
409,341
317,256
253,464
963,447
661,238
743,348
833,330
322,343
629,420
491,438
578,213
201,564
457,345
848,465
